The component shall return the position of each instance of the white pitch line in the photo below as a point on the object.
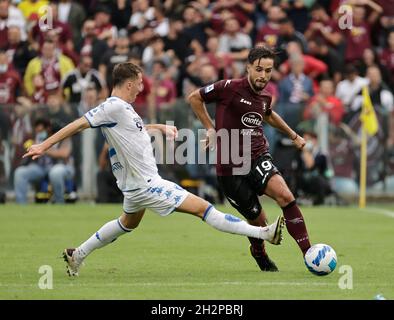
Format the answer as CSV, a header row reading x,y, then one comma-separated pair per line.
x,y
185,284
385,212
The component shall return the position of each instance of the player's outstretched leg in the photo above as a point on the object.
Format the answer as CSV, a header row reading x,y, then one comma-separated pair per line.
x,y
257,246
229,223
107,234
278,190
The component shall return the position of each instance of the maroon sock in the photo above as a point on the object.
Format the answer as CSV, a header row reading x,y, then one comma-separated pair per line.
x,y
296,226
257,245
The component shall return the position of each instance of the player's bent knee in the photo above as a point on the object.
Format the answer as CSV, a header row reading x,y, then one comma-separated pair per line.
x,y
130,220
284,198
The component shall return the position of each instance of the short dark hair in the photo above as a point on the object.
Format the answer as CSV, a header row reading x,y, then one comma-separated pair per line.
x,y
261,52
42,122
125,71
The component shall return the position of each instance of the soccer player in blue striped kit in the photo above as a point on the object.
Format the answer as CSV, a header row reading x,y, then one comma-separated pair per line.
x,y
134,166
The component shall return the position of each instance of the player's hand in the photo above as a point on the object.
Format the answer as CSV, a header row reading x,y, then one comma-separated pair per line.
x,y
210,140
171,132
299,142
35,151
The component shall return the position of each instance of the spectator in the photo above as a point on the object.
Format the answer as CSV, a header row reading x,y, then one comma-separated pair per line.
x,y
349,88
21,131
370,58
120,53
386,18
10,16
160,23
312,67
155,51
221,61
194,24
57,110
287,33
297,11
141,102
163,94
323,27
10,81
56,164
31,9
103,27
51,65
334,61
235,43
237,9
63,31
90,45
387,57
358,38
178,41
72,14
107,190
294,92
325,101
142,14
78,80
381,96
121,13
18,51
313,171
39,95
269,32
341,148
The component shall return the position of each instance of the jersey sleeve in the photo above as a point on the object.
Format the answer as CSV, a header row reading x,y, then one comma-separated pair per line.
x,y
104,114
214,91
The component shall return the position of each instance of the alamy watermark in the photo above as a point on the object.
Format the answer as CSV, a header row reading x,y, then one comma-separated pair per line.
x,y
345,20
46,18
46,280
345,282
189,147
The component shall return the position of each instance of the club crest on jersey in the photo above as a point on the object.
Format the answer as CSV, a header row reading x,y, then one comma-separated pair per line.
x,y
245,101
252,119
209,88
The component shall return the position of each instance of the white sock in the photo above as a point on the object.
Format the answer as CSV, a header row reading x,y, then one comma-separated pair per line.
x,y
108,233
231,224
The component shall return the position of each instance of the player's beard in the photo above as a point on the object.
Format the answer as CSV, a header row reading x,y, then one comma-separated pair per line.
x,y
258,85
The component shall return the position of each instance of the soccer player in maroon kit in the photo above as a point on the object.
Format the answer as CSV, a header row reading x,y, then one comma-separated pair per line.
x,y
243,104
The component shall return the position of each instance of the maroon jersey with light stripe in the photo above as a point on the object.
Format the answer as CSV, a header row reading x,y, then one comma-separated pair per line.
x,y
238,107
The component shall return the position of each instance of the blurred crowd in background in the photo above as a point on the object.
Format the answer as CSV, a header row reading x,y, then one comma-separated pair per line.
x,y
56,59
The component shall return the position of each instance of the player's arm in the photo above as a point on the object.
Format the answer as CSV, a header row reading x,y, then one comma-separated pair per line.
x,y
198,106
276,121
171,132
200,110
37,150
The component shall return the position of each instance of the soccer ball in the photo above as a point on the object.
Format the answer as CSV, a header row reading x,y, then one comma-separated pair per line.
x,y
320,259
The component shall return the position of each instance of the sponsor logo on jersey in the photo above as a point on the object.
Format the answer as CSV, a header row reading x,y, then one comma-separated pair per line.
x,y
117,166
245,101
252,119
209,88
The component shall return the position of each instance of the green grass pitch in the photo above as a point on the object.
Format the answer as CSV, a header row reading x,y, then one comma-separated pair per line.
x,y
180,257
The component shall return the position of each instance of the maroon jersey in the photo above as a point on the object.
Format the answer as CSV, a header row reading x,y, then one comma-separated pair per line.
x,y
10,82
237,107
358,38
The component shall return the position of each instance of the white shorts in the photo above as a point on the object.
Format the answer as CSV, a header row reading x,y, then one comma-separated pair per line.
x,y
161,196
